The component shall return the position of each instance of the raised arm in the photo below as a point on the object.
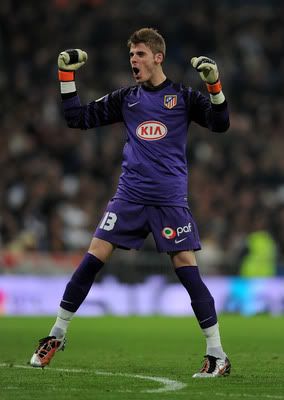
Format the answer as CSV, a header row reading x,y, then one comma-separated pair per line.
x,y
104,111
209,112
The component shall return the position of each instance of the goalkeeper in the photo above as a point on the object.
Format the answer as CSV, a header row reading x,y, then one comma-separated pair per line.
x,y
152,193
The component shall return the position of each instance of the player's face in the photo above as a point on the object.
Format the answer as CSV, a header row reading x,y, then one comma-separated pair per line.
x,y
144,63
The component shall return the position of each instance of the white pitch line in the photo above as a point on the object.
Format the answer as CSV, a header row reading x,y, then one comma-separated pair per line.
x,y
170,385
265,396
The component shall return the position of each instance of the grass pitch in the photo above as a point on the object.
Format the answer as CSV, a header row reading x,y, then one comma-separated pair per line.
x,y
147,358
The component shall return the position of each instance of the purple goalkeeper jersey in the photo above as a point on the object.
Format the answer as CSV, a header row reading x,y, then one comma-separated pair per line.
x,y
154,166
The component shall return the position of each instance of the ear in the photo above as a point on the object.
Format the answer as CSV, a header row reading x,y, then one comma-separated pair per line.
x,y
159,58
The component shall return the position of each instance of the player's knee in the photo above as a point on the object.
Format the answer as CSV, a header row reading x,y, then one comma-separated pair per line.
x,y
101,249
183,258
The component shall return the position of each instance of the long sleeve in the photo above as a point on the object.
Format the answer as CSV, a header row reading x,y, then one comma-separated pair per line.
x,y
212,116
104,111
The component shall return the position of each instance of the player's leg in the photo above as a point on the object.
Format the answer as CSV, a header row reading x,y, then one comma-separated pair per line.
x,y
124,224
176,233
216,361
80,284
75,293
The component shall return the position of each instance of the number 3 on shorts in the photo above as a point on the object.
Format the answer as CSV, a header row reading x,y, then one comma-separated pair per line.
x,y
108,221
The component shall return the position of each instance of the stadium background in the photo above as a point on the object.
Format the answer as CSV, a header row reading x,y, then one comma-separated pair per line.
x,y
55,182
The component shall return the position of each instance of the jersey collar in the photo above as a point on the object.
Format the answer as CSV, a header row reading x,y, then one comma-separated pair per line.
x,y
162,85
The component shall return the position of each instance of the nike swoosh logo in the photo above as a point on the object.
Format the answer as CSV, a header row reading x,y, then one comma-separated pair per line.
x,y
133,104
207,319
181,240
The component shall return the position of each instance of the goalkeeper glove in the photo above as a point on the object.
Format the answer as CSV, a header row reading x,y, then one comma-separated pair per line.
x,y
71,60
209,73
207,69
68,62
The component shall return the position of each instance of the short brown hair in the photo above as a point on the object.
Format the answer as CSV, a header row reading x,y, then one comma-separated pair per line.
x,y
151,38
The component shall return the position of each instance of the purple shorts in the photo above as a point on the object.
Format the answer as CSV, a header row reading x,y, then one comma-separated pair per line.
x,y
127,225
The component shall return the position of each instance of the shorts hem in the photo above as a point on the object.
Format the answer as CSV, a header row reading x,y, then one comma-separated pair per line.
x,y
177,250
116,243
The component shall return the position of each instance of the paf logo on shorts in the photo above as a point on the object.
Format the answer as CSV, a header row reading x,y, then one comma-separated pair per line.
x,y
170,101
151,130
184,229
169,233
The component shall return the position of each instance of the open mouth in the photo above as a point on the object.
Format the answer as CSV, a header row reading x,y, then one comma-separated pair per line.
x,y
135,71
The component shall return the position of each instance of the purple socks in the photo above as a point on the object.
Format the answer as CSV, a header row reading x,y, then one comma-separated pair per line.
x,y
201,300
80,284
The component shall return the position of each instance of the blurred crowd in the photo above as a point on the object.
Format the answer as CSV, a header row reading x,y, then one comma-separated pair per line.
x,y
55,181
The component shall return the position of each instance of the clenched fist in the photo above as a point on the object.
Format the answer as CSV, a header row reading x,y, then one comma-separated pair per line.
x,y
71,60
207,69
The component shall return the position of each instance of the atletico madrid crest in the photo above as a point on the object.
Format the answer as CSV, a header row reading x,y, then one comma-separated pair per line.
x,y
170,100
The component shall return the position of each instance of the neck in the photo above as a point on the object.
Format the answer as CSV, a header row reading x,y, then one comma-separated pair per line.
x,y
155,80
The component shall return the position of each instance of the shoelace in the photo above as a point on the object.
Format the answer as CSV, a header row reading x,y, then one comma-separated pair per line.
x,y
209,364
45,345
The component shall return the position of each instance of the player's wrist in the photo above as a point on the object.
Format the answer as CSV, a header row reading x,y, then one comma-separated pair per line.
x,y
66,76
214,88
67,82
215,91
217,98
